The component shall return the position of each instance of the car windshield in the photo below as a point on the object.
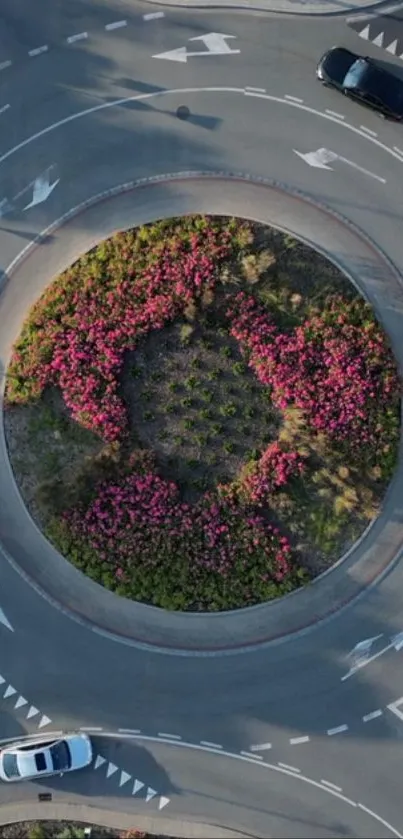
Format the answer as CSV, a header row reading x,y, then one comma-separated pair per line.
x,y
61,757
10,766
356,74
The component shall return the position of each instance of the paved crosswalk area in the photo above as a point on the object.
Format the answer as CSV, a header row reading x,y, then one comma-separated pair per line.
x,y
385,31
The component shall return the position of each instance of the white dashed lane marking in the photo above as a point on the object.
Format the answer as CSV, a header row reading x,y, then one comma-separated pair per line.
x,y
169,736
118,24
38,51
295,741
5,64
153,15
368,130
256,89
4,108
81,36
262,747
249,754
338,730
210,745
372,716
293,98
335,114
289,768
332,786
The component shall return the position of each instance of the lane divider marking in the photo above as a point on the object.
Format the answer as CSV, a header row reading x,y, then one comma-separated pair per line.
x,y
116,25
291,768
293,98
332,786
254,757
38,51
90,728
260,748
210,745
338,730
153,15
4,108
295,741
372,716
129,730
256,89
81,36
368,130
335,114
170,736
5,64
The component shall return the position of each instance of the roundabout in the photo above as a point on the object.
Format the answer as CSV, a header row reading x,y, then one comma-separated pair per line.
x,y
183,673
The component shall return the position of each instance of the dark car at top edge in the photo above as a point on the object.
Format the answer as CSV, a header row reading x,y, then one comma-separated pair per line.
x,y
363,81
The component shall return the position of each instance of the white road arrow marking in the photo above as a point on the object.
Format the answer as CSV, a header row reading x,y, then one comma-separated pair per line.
x,y
397,641
163,802
150,794
214,41
112,768
137,786
124,778
41,191
394,707
99,761
322,157
3,618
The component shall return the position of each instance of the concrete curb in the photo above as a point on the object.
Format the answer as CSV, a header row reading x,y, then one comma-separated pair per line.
x,y
295,8
220,633
63,811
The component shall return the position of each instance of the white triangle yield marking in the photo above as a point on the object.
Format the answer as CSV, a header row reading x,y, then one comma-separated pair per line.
x,y
2,680
378,41
137,786
9,692
392,47
32,712
365,32
111,769
150,794
21,701
124,778
163,802
44,721
99,761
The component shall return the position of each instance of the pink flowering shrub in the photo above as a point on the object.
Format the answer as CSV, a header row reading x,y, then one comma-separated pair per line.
x,y
336,366
216,551
78,331
273,470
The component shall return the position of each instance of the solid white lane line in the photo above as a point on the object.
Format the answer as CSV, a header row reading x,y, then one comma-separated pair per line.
x,y
129,730
170,736
335,114
4,108
290,768
379,819
116,25
372,716
256,89
81,36
294,741
293,98
210,745
368,130
395,148
260,747
332,786
254,756
153,15
38,51
5,64
29,736
90,728
338,730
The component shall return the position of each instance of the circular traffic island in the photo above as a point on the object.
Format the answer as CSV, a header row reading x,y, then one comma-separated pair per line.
x,y
202,414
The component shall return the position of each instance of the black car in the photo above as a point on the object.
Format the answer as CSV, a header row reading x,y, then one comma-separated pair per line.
x,y
361,79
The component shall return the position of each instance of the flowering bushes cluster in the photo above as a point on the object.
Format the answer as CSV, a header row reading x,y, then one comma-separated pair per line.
x,y
78,331
336,366
216,551
134,533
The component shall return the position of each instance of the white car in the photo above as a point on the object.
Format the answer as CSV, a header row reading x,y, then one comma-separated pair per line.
x,y
33,758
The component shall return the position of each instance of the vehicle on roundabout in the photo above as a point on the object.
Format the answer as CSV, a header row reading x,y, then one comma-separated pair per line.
x,y
363,81
34,758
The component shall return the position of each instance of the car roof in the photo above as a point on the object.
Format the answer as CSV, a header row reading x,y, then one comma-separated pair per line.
x,y
382,84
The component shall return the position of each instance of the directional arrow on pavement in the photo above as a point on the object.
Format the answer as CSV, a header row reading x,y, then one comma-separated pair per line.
x,y
321,157
4,621
360,654
42,188
216,43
